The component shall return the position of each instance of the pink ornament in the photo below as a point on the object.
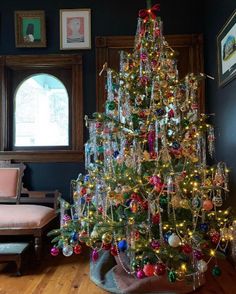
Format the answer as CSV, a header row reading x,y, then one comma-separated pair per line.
x,y
155,245
149,270
66,218
95,255
140,274
54,251
78,249
197,254
207,205
154,180
98,125
160,269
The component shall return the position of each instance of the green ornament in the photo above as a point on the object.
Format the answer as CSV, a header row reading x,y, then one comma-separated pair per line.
x,y
185,123
172,276
216,271
111,105
135,264
146,260
126,196
163,200
100,149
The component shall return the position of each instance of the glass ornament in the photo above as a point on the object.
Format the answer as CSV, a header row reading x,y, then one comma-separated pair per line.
x,y
174,240
202,266
67,250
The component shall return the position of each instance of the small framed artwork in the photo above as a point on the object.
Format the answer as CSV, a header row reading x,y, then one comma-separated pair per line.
x,y
75,29
226,51
30,28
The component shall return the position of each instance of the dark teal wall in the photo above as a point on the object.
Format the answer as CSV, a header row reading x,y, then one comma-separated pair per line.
x,y
109,17
221,101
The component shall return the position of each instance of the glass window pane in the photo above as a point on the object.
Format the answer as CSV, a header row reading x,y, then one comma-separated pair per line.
x,y
41,112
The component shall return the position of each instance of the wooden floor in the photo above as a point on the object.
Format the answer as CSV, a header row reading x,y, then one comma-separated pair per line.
x,y
70,275
55,275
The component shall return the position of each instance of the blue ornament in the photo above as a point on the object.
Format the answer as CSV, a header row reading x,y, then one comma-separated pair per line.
x,y
82,200
175,145
204,227
116,153
167,235
122,245
74,236
86,178
160,111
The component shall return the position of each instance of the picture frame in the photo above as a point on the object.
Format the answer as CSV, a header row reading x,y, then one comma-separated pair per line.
x,y
30,28
226,51
75,29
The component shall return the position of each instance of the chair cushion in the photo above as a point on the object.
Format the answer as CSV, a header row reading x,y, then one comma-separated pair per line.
x,y
9,180
25,216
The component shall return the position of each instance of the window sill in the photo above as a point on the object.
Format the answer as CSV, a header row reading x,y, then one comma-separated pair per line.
x,y
43,156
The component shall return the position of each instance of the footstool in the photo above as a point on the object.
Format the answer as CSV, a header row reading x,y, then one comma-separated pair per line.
x,y
13,252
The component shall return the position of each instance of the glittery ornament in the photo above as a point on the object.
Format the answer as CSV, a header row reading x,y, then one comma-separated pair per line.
x,y
160,269
149,269
140,274
74,236
106,238
77,249
174,240
202,266
54,251
175,201
67,250
184,203
216,271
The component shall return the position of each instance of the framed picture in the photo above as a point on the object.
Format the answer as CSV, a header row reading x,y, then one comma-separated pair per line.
x,y
30,28
75,29
226,51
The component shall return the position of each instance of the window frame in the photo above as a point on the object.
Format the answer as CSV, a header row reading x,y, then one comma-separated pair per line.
x,y
73,62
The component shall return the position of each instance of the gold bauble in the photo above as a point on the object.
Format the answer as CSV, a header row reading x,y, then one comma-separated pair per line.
x,y
184,203
107,238
175,201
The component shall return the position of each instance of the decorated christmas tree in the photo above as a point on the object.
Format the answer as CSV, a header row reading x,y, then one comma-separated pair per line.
x,y
149,195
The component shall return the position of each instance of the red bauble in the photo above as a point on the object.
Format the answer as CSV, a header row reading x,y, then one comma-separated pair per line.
x,y
207,205
156,218
83,191
113,250
215,238
186,248
160,269
106,246
78,249
149,269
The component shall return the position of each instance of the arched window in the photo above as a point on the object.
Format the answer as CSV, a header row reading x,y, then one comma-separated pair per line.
x,y
41,112
41,108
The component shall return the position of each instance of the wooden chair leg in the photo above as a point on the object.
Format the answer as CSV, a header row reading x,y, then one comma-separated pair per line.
x,y
38,247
